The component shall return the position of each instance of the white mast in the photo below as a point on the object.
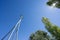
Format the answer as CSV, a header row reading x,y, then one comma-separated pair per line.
x,y
17,25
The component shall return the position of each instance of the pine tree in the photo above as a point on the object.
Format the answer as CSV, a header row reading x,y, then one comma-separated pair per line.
x,y
53,29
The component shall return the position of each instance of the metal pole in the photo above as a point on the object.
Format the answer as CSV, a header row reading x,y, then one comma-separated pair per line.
x,y
15,27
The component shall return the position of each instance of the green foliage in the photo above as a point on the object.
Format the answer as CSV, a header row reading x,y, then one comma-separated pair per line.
x,y
51,2
39,35
53,29
58,5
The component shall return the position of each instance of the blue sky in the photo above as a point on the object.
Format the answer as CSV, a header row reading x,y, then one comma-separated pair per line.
x,y
32,10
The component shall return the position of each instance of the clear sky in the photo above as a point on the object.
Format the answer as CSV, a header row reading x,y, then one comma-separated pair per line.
x,y
32,10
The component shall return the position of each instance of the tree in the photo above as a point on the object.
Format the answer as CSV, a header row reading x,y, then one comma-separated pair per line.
x,y
53,29
55,2
39,35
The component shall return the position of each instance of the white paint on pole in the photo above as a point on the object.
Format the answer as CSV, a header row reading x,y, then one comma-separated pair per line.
x,y
17,25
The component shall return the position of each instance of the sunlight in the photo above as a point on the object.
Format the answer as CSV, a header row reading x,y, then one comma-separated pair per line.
x,y
53,5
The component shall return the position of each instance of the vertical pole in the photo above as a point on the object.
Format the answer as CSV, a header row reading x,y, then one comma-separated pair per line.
x,y
17,32
17,25
17,35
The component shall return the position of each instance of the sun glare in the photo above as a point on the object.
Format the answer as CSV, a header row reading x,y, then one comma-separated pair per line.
x,y
53,5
